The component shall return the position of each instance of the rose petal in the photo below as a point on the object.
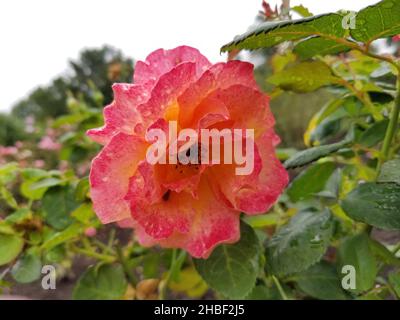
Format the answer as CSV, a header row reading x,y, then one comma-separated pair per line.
x,y
122,114
166,92
256,193
162,61
110,173
248,108
196,225
219,77
234,72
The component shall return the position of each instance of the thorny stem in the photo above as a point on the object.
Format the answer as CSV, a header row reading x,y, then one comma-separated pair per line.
x,y
364,50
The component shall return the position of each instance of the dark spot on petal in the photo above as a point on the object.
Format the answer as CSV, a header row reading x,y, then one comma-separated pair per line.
x,y
165,196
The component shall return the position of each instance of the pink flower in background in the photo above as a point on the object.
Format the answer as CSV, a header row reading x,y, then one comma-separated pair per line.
x,y
396,38
47,143
190,207
19,144
8,151
63,166
90,232
39,163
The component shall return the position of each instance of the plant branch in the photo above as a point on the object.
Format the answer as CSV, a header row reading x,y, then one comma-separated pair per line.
x,y
93,254
125,266
164,286
391,129
280,289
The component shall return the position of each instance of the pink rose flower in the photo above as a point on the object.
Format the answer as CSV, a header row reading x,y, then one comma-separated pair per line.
x,y
19,144
176,205
8,151
47,143
39,163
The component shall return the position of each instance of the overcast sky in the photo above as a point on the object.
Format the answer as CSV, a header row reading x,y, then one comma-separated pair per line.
x,y
39,36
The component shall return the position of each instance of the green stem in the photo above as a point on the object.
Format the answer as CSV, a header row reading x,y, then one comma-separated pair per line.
x,y
101,245
93,254
396,249
280,289
111,239
164,286
125,266
391,129
382,58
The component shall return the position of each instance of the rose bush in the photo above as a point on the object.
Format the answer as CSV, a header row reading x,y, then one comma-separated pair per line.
x,y
332,234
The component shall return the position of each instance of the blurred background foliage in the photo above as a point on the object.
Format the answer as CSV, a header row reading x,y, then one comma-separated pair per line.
x,y
95,68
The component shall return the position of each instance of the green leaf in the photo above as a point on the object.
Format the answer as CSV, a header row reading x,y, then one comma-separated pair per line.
x,y
6,228
304,77
8,172
262,221
356,252
330,108
8,197
69,119
32,187
269,34
45,183
82,189
105,282
63,236
27,269
332,186
29,193
84,213
374,134
280,61
307,156
376,204
151,265
34,174
299,244
394,280
56,254
58,203
390,171
321,282
378,21
261,292
309,48
19,216
302,10
232,269
10,247
327,129
383,254
310,181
